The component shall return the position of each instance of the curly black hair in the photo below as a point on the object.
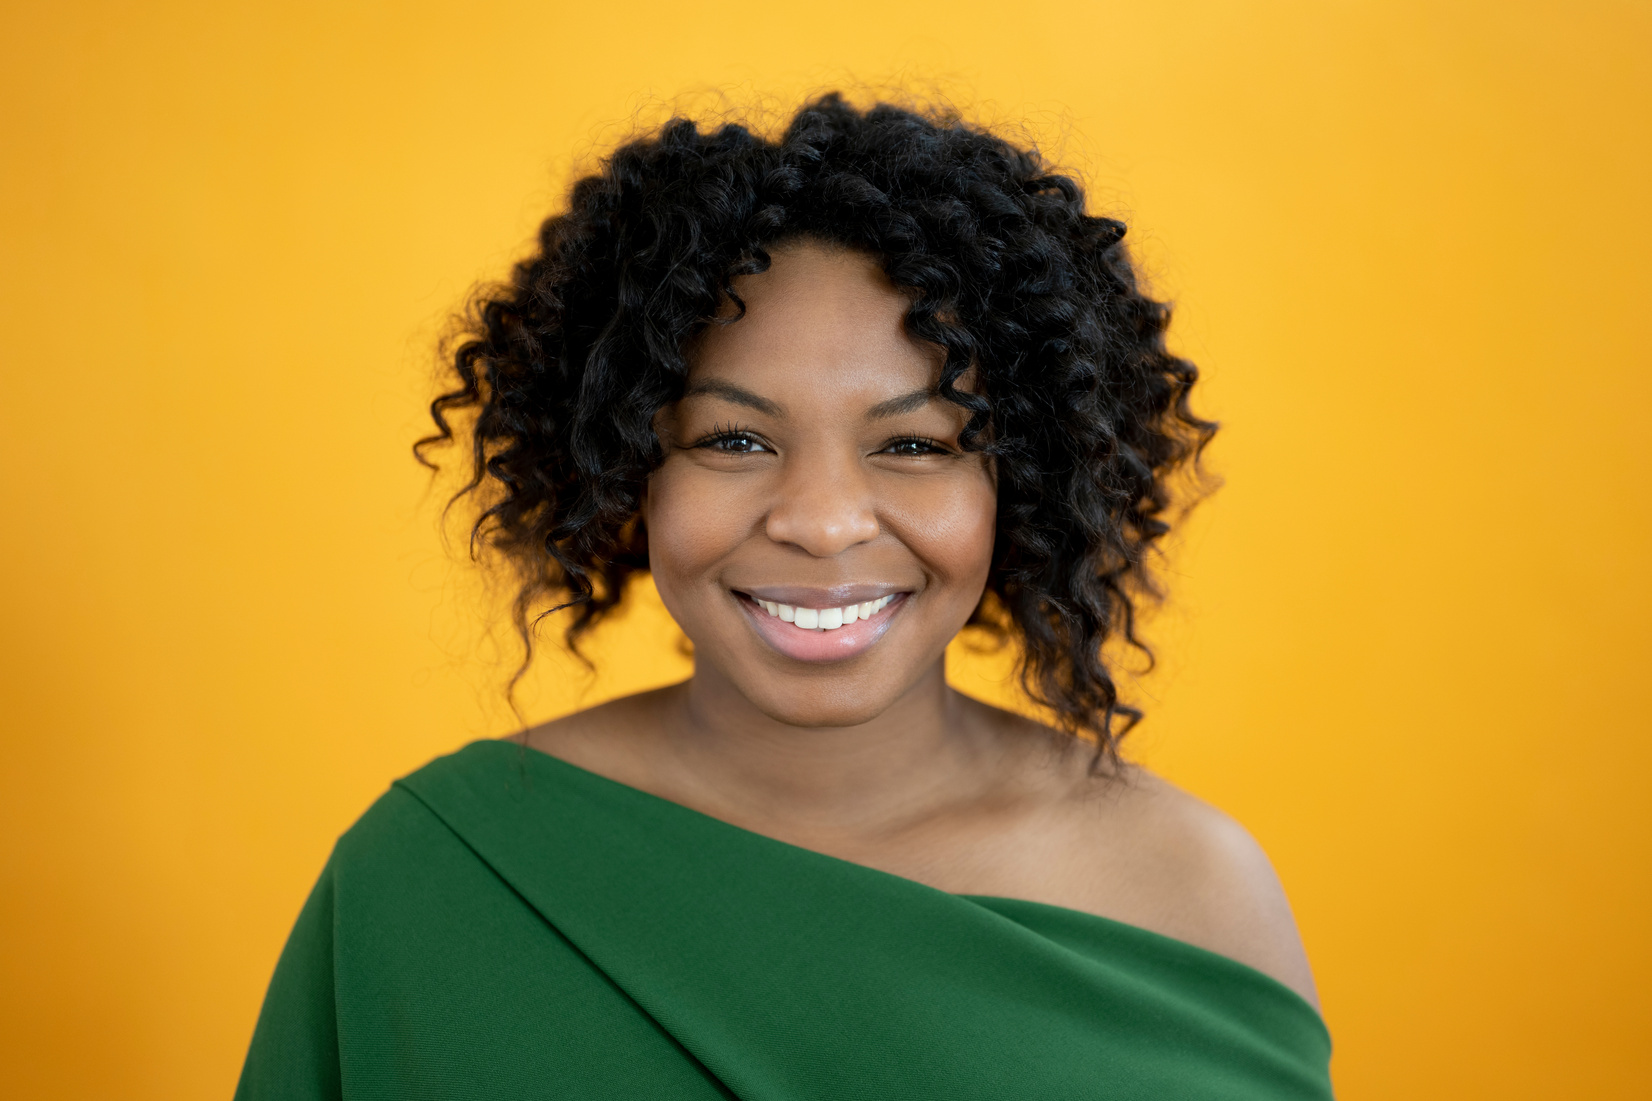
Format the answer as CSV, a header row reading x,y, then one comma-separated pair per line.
x,y
560,371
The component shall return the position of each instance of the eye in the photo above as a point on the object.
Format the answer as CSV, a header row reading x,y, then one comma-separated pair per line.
x,y
732,442
915,446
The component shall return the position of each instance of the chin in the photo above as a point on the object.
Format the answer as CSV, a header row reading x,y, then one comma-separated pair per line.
x,y
822,709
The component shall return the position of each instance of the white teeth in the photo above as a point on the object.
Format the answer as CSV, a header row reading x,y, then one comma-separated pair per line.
x,y
825,619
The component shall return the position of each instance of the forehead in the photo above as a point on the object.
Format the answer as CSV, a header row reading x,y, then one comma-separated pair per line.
x,y
822,320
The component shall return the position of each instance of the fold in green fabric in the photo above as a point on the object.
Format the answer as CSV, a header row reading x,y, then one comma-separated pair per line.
x,y
502,924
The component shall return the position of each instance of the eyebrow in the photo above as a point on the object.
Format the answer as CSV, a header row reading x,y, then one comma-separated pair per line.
x,y
906,403
739,395
717,388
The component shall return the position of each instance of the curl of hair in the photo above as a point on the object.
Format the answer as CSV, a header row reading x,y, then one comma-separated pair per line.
x,y
560,372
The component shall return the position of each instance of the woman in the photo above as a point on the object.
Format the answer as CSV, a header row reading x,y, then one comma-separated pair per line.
x,y
841,394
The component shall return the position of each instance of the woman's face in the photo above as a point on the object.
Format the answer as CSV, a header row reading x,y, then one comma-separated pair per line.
x,y
815,529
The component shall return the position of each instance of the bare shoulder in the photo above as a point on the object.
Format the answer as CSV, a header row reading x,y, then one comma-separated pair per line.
x,y
1177,865
608,739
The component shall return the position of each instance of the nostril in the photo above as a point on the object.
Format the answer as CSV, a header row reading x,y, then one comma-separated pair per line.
x,y
821,530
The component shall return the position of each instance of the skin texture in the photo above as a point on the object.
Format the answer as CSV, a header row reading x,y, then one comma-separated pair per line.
x,y
793,465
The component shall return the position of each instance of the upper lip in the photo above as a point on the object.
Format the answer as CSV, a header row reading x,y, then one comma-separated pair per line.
x,y
836,596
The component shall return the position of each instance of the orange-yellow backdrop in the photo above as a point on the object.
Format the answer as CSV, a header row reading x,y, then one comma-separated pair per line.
x,y
1410,245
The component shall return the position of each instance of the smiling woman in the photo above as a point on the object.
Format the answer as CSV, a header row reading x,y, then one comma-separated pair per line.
x,y
812,465
841,393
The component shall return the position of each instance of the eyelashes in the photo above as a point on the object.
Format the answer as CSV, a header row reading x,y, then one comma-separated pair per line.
x,y
731,439
916,445
722,437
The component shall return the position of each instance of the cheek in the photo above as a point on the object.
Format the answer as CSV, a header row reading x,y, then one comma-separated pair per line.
x,y
951,528
690,529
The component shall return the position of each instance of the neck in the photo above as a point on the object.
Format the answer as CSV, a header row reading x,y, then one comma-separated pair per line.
x,y
914,756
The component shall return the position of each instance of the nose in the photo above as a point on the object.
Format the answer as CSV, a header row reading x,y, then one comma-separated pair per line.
x,y
823,508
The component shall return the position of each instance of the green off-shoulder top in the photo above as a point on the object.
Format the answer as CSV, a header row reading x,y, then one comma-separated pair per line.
x,y
502,924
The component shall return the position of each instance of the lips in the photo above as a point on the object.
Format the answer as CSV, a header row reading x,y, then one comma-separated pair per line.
x,y
824,631
825,619
830,596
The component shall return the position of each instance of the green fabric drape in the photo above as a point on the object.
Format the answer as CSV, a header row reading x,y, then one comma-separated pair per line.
x,y
502,924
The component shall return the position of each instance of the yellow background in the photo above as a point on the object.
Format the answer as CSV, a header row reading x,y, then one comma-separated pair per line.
x,y
1408,643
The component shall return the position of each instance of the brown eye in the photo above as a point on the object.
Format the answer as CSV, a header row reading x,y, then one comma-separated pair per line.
x,y
914,446
733,443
